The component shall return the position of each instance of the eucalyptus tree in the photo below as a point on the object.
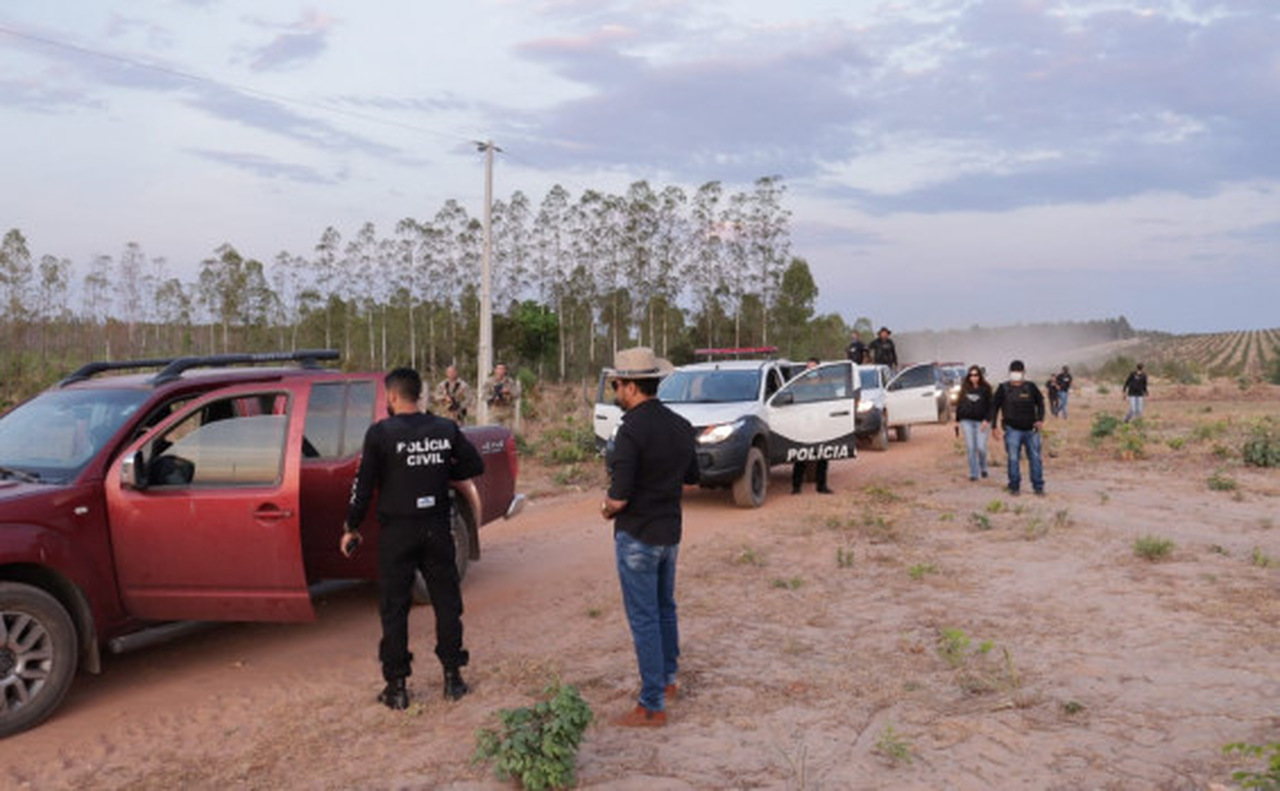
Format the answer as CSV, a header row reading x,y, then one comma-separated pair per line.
x,y
550,258
671,245
404,276
737,258
363,278
129,286
459,266
53,280
793,308
640,227
768,238
603,246
223,289
97,299
174,311
16,273
704,270
512,248
325,266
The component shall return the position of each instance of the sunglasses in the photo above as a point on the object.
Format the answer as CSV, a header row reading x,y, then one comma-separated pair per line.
x,y
615,384
975,375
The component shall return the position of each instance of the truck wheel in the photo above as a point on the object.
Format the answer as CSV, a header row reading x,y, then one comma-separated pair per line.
x,y
750,487
880,440
462,556
39,649
902,433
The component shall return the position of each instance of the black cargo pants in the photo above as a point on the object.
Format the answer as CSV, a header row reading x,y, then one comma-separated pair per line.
x,y
405,546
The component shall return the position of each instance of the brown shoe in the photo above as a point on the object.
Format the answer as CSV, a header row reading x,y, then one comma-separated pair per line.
x,y
640,717
671,691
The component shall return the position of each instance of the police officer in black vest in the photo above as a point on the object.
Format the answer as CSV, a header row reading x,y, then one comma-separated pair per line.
x,y
410,458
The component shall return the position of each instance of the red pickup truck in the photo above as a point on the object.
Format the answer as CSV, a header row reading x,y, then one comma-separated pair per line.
x,y
205,489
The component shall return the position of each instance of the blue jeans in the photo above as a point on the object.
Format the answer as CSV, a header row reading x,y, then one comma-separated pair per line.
x,y
1014,441
648,577
1062,403
975,443
1135,408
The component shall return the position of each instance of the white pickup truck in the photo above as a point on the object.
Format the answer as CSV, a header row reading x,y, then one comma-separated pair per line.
x,y
752,414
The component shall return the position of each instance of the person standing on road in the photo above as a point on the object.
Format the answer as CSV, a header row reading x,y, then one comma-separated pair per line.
x,y
1023,407
502,394
1063,381
652,455
882,351
820,466
1135,389
973,413
1051,391
410,458
857,351
452,397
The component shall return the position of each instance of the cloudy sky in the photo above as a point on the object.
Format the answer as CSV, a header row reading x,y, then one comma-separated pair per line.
x,y
947,162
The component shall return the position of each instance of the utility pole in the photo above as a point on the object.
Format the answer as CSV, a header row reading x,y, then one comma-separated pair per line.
x,y
484,361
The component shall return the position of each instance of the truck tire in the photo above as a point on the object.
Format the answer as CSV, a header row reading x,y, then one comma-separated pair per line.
x,y
39,649
461,551
750,488
902,433
880,440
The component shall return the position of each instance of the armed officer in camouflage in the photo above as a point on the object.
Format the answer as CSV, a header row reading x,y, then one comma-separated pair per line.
x,y
502,393
410,458
452,397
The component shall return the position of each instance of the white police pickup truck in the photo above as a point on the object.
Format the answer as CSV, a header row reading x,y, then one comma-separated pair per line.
x,y
752,414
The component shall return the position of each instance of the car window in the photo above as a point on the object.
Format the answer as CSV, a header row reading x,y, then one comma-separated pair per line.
x,y
821,384
870,378
57,433
773,382
338,414
918,376
709,386
237,441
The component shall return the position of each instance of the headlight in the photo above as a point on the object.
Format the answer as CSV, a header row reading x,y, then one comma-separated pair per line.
x,y
718,433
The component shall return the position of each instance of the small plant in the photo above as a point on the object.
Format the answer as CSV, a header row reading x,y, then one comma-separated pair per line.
x,y
980,521
1062,518
594,612
1072,707
893,747
1177,443
1152,548
883,495
1208,431
1221,482
1132,440
1103,498
1262,449
1218,549
919,570
952,645
1104,390
1261,559
844,557
995,506
1036,529
789,584
1104,425
1267,779
748,557
537,745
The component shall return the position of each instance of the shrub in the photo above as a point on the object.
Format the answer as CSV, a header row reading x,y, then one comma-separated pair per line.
x,y
1262,449
1152,548
1269,778
537,745
1221,482
1104,425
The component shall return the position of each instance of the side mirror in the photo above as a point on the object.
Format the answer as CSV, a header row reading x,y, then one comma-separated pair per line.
x,y
133,472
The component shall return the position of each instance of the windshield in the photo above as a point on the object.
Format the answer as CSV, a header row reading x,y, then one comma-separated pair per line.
x,y
870,378
57,433
709,387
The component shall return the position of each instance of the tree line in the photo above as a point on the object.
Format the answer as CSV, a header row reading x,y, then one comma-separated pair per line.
x,y
574,279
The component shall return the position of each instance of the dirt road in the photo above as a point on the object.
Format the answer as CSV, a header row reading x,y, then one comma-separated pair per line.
x,y
914,630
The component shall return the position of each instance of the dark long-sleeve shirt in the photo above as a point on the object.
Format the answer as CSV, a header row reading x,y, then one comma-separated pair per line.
x,y
410,459
1136,384
654,454
974,404
1022,404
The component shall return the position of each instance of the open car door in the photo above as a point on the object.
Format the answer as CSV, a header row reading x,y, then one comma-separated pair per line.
x,y
912,396
204,510
605,413
812,416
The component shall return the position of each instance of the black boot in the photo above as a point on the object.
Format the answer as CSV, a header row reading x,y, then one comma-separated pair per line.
x,y
394,696
454,686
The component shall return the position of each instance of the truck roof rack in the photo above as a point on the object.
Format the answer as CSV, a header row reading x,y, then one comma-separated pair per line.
x,y
173,367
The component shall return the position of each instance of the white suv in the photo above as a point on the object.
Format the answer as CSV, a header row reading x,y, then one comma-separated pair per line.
x,y
914,395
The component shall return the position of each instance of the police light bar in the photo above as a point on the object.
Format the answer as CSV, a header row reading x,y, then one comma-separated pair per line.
x,y
736,350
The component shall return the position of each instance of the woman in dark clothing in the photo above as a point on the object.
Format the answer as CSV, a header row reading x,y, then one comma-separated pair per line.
x,y
973,410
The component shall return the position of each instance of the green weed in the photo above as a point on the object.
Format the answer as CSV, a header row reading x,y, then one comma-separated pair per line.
x,y
995,506
952,646
1104,425
980,521
1153,548
793,583
893,747
1262,449
844,557
1222,482
1072,707
1267,779
537,745
919,570
748,557
1261,559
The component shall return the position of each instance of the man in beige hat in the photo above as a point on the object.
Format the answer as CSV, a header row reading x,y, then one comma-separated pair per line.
x,y
652,455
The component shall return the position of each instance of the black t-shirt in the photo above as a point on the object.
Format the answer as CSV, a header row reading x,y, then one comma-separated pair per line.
x,y
1022,404
410,459
654,454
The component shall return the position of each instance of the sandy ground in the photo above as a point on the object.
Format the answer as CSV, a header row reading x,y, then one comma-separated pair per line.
x,y
812,634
